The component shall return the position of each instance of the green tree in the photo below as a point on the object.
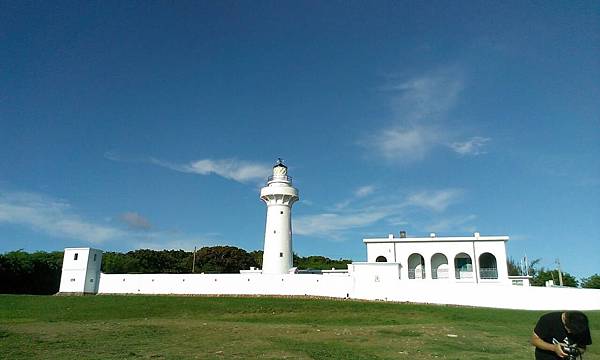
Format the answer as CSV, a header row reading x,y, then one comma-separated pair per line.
x,y
223,259
119,263
164,261
592,282
35,273
47,268
258,257
319,263
514,269
542,275
147,261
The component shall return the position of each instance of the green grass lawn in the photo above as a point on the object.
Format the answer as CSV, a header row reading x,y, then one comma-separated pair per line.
x,y
170,327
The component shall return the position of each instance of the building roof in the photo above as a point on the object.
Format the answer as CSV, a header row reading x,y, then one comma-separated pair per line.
x,y
435,238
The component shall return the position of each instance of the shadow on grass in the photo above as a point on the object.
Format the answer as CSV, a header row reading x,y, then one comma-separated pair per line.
x,y
325,349
401,333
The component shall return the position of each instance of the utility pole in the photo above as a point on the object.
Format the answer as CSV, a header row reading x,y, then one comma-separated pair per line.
x,y
194,261
560,280
524,266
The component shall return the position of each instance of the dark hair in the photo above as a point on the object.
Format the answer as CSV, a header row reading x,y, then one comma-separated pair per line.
x,y
576,322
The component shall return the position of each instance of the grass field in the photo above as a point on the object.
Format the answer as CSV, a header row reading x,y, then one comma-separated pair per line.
x,y
169,327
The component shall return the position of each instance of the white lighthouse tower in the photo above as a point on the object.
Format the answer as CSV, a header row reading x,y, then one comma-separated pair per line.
x,y
279,195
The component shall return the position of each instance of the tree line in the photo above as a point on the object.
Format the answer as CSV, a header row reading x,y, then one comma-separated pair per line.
x,y
210,260
30,273
39,272
540,274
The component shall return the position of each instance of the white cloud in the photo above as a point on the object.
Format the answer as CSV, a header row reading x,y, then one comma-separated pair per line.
x,y
232,169
428,97
403,144
364,191
420,108
473,146
455,223
397,221
332,225
435,200
135,221
240,171
519,237
53,217
342,204
57,218
365,212
112,155
359,193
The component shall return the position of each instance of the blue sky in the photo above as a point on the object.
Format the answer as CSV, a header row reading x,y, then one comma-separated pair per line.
x,y
127,125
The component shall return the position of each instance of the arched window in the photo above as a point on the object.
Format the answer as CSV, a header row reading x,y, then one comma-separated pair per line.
x,y
439,266
416,266
488,269
381,259
463,266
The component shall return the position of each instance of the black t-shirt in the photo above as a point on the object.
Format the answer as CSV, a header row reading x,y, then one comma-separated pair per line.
x,y
550,327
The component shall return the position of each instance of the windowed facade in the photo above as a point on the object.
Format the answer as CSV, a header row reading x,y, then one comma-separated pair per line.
x,y
439,266
416,266
463,266
488,267
464,259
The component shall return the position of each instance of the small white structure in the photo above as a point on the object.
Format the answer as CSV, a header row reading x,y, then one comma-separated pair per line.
x,y
279,195
80,271
521,280
464,270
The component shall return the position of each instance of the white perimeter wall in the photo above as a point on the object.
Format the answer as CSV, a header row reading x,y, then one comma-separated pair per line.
x,y
480,295
368,284
334,285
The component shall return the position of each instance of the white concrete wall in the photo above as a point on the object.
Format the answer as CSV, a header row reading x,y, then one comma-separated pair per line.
x,y
94,264
375,271
381,249
72,281
332,285
480,295
368,281
364,281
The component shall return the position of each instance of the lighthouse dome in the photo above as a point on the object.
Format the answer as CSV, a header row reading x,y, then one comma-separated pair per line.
x,y
279,169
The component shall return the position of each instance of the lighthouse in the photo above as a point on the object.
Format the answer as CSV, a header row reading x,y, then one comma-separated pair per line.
x,y
279,195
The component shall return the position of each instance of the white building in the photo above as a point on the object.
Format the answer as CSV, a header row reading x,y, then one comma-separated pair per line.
x,y
80,271
464,259
469,270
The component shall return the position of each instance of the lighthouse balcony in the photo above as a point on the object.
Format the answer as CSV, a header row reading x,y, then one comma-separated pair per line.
x,y
268,192
279,178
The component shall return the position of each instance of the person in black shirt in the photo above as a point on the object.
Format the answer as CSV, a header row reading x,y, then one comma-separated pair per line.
x,y
554,330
